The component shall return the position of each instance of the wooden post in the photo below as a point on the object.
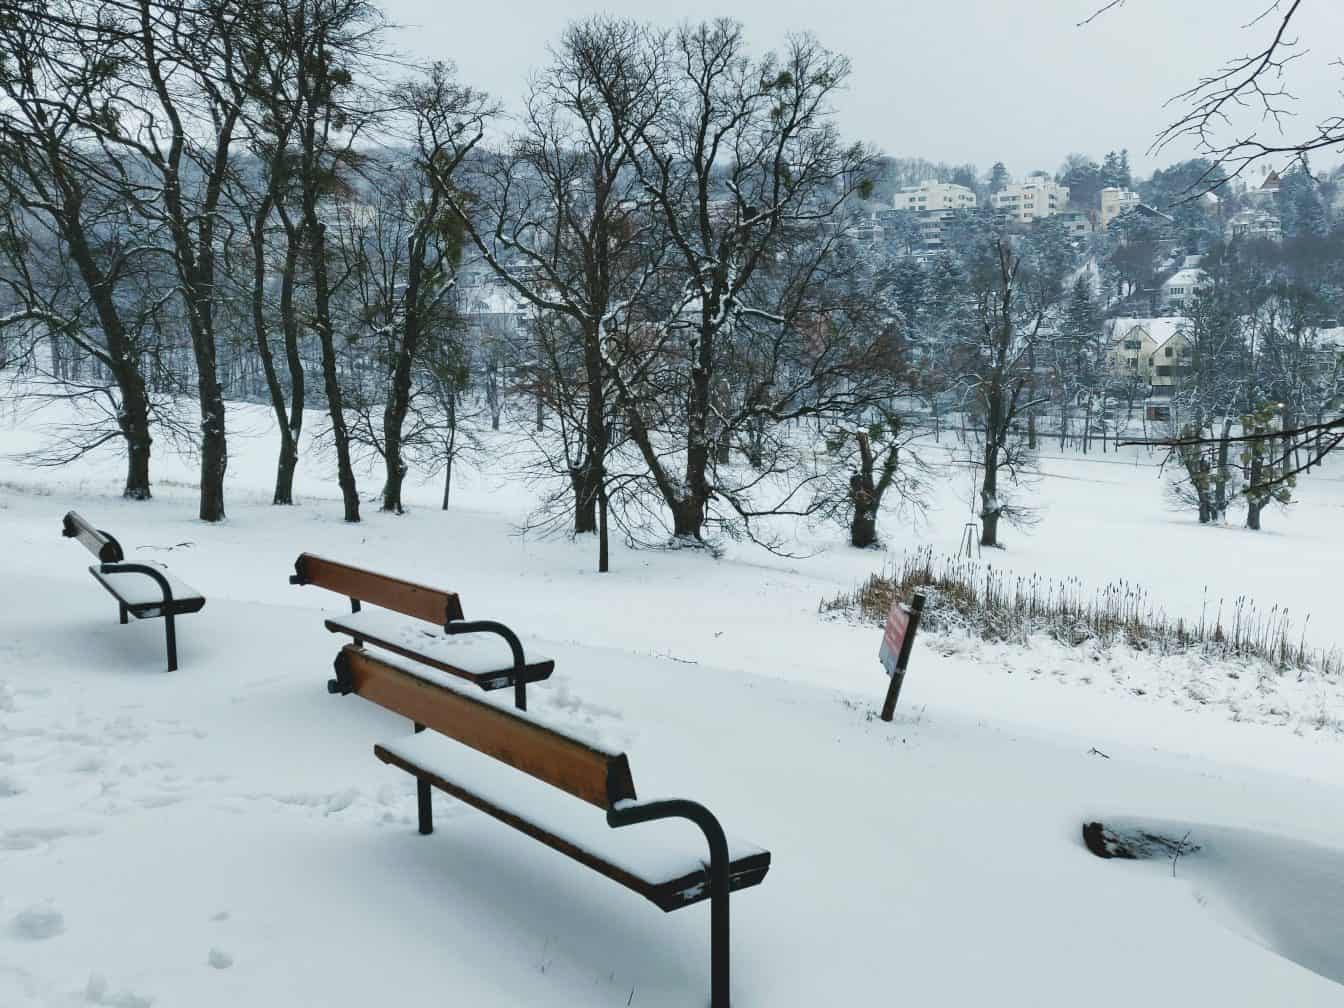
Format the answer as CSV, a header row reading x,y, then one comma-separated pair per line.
x,y
900,632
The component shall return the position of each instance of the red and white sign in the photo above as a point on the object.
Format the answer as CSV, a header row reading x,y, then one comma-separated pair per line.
x,y
893,637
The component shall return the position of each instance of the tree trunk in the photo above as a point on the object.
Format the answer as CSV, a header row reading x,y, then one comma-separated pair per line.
x,y
214,447
688,518
1224,476
134,421
863,498
990,508
1255,499
285,465
451,447
399,394
395,472
340,433
586,491
863,523
590,476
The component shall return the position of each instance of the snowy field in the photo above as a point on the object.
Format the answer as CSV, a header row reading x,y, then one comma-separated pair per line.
x,y
224,836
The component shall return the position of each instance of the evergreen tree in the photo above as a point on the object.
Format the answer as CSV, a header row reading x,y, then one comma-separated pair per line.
x,y
1301,209
1115,170
998,177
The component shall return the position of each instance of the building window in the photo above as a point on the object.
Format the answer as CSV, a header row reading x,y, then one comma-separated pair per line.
x,y
1166,352
1163,371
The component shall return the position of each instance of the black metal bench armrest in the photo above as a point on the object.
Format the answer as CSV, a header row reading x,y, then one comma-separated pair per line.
x,y
170,627
455,627
630,812
135,568
633,811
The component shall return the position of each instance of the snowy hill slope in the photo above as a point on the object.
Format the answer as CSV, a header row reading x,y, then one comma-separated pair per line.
x,y
224,836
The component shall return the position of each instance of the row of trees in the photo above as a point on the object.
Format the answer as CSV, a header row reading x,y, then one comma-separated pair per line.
x,y
220,187
184,175
224,198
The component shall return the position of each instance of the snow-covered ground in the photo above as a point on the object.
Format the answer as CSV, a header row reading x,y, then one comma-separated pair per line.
x,y
223,835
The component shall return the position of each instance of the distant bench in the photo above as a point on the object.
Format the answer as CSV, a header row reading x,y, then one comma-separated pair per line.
x,y
454,645
526,773
142,590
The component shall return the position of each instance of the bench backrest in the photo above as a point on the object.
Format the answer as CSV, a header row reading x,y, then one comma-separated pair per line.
x,y
100,544
599,777
406,597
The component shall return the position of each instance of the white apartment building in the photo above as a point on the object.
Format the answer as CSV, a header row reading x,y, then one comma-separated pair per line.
x,y
1032,200
934,196
1179,289
1114,202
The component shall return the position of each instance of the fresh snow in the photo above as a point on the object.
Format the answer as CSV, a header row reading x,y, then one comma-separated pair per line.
x,y
657,852
224,836
138,589
476,654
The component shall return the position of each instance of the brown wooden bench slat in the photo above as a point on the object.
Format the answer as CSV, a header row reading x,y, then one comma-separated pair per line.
x,y
599,778
406,597
100,544
495,677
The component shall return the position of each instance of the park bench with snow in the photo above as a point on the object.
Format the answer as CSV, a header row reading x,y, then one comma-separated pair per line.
x,y
545,781
145,591
457,646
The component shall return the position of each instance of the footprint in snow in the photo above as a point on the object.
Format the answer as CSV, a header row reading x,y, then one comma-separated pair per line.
x,y
219,959
9,787
27,838
37,923
97,991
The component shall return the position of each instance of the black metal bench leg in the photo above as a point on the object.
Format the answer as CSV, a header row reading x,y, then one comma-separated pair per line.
x,y
718,934
422,798
423,795
124,618
170,631
627,814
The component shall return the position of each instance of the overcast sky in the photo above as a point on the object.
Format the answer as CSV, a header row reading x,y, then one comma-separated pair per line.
x,y
948,80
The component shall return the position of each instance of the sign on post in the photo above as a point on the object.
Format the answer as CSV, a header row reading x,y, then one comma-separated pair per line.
x,y
897,638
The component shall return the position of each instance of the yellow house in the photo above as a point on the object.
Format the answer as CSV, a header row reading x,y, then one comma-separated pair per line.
x,y
1169,362
1137,347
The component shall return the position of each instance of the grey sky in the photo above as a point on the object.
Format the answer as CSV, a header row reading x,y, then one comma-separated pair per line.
x,y
949,80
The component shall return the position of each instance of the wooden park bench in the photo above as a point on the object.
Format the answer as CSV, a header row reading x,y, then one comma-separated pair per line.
x,y
144,591
454,645
537,778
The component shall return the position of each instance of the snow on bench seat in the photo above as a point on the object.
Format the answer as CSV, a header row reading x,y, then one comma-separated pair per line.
x,y
481,657
665,861
142,595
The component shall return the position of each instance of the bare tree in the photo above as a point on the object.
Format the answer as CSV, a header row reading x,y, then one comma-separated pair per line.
x,y
1254,87
269,210
563,222
1015,294
59,209
745,171
332,40
168,124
